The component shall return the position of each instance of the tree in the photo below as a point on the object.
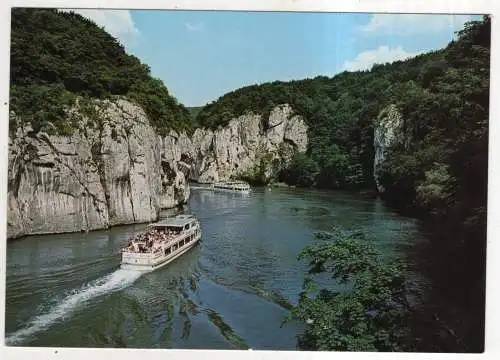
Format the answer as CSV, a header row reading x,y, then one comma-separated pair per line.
x,y
74,57
435,191
302,171
370,316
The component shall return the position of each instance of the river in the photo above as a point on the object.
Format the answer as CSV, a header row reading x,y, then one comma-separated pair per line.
x,y
231,291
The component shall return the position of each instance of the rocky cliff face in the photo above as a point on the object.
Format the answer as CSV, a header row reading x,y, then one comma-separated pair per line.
x,y
117,172
114,169
388,131
250,146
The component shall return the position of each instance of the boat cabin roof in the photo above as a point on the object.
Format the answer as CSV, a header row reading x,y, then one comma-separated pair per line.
x,y
176,221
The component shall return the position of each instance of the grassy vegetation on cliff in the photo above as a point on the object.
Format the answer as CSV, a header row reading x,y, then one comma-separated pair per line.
x,y
441,174
56,56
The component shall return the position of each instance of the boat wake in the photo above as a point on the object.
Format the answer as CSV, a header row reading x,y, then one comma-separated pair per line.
x,y
107,284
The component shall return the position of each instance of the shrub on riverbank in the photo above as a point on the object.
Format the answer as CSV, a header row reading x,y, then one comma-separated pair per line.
x,y
371,316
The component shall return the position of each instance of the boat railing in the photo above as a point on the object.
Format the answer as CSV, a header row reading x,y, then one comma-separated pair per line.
x,y
139,255
171,238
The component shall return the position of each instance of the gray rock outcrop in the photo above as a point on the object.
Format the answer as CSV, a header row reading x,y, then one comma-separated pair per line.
x,y
249,146
111,170
114,169
389,131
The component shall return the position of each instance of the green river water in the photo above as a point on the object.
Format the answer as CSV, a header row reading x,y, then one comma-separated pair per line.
x,y
231,291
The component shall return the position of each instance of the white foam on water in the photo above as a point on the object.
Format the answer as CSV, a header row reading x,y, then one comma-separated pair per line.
x,y
110,283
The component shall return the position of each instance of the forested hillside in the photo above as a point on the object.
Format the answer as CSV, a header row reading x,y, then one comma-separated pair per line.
x,y
443,97
340,112
57,56
441,174
195,110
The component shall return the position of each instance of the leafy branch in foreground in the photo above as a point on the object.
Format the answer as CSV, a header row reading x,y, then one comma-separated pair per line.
x,y
371,316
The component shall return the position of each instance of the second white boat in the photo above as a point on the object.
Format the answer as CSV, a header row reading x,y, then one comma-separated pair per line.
x,y
232,186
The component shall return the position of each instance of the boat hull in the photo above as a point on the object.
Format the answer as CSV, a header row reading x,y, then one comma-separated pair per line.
x,y
234,191
162,261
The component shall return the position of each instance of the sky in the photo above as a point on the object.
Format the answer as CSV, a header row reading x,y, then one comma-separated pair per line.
x,y
201,55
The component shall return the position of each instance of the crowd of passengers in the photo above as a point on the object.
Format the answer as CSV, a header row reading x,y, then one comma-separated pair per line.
x,y
144,242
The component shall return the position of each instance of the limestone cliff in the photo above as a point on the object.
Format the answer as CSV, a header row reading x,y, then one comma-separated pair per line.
x,y
112,170
389,131
250,146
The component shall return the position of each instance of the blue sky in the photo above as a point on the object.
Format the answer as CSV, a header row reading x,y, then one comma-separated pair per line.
x,y
201,55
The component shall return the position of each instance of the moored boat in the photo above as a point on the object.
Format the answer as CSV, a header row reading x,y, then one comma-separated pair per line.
x,y
162,243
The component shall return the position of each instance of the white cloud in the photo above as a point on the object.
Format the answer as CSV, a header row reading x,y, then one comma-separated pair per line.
x,y
382,55
410,24
118,23
194,27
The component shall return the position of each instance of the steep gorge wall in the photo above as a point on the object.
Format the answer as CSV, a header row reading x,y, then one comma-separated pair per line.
x,y
389,131
250,146
114,169
122,172
118,172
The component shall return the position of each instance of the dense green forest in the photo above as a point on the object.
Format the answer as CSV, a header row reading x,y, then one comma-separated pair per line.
x,y
194,110
58,56
440,175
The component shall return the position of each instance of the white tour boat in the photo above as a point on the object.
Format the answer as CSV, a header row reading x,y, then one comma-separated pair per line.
x,y
232,186
161,244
